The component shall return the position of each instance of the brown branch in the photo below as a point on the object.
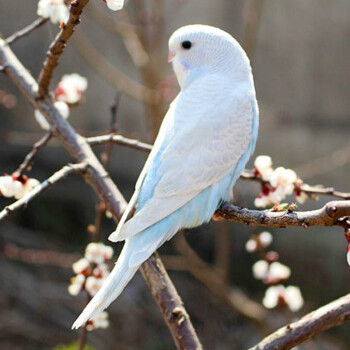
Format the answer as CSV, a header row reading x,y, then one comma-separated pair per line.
x,y
329,215
170,304
26,31
328,316
58,45
164,292
113,75
28,160
56,177
119,140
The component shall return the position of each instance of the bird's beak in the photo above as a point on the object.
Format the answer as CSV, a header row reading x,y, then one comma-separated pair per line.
x,y
171,56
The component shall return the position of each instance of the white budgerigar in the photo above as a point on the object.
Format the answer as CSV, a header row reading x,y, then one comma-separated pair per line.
x,y
203,145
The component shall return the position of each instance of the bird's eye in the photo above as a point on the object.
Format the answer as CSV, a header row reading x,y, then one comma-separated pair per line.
x,y
186,44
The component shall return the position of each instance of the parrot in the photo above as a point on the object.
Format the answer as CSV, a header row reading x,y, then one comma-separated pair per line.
x,y
204,143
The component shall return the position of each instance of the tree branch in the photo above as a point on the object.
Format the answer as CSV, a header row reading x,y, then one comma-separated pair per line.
x,y
119,140
56,177
329,215
28,160
165,293
328,316
25,31
170,304
58,45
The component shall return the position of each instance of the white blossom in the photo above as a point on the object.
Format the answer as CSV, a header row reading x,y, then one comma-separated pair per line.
x,y
98,252
260,269
12,187
81,265
56,10
251,245
93,284
76,284
283,180
99,321
290,296
264,166
62,108
115,5
71,88
348,254
278,271
265,239
301,197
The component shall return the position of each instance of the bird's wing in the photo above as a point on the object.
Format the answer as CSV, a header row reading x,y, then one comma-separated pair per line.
x,y
210,130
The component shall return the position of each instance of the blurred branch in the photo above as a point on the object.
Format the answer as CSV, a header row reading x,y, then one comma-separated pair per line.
x,y
39,257
209,277
162,288
25,31
328,316
56,177
251,26
58,45
113,75
171,305
127,32
28,160
119,140
325,164
329,215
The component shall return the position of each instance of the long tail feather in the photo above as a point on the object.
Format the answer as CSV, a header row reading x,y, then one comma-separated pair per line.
x,y
120,276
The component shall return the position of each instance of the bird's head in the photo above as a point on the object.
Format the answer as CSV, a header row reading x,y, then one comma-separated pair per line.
x,y
200,48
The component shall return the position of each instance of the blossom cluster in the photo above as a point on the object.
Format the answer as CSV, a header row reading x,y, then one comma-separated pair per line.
x,y
55,10
276,183
69,92
17,187
91,271
273,273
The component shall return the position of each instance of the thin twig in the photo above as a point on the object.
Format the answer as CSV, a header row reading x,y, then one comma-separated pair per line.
x,y
26,30
328,316
28,160
329,215
58,45
56,177
119,140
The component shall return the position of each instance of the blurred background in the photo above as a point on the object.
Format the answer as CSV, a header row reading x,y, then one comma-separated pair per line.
x,y
300,55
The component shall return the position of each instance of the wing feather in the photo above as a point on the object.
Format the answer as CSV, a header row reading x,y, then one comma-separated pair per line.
x,y
211,128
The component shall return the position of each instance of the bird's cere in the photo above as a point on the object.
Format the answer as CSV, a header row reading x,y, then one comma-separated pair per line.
x,y
115,5
55,10
276,184
62,107
280,295
71,88
17,187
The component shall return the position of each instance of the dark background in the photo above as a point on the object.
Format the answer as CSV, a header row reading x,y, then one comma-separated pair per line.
x,y
302,72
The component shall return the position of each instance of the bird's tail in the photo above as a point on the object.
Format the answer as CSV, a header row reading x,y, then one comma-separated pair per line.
x,y
120,276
